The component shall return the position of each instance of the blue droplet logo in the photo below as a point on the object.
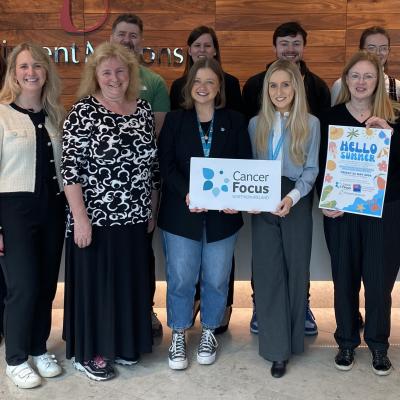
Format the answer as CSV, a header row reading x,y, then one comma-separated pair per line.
x,y
208,185
208,173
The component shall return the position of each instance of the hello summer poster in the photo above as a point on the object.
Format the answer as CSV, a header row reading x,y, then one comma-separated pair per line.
x,y
356,170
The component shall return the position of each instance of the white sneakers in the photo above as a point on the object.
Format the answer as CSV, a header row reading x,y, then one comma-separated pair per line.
x,y
25,377
47,365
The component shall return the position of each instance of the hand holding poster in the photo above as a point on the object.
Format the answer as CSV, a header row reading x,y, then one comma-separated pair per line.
x,y
356,169
242,185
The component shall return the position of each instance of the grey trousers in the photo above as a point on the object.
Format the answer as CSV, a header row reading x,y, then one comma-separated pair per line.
x,y
281,271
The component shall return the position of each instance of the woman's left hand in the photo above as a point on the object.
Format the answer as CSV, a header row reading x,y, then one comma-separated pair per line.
x,y
229,211
376,122
284,207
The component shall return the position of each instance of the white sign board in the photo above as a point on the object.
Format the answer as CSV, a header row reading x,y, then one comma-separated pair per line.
x,y
243,185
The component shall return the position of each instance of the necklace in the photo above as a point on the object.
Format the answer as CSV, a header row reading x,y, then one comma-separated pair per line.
x,y
361,113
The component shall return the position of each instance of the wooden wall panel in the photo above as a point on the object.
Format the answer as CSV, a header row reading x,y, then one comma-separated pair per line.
x,y
256,22
244,28
154,6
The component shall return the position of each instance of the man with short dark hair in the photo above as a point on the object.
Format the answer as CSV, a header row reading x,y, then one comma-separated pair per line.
x,y
289,40
127,30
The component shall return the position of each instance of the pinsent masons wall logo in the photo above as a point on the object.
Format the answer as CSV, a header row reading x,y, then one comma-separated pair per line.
x,y
208,184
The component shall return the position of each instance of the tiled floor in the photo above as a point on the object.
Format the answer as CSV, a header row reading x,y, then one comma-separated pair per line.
x,y
239,372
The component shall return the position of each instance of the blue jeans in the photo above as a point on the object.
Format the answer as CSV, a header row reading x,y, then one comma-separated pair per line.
x,y
188,261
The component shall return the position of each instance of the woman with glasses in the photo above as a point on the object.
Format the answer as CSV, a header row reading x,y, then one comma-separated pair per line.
x,y
375,40
363,247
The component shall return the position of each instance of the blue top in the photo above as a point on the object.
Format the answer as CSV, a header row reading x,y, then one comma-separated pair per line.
x,y
304,175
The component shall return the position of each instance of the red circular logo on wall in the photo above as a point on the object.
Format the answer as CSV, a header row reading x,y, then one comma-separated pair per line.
x,y
68,25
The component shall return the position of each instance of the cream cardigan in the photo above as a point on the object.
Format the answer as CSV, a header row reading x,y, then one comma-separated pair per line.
x,y
18,151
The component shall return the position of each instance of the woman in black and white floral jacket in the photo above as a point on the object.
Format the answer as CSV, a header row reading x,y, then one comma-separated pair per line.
x,y
110,173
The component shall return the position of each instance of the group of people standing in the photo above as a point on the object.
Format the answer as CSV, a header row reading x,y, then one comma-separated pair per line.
x,y
109,156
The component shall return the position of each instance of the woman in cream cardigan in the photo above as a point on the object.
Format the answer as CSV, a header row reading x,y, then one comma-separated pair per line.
x,y
31,210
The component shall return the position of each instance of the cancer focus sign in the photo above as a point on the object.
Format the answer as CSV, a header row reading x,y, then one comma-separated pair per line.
x,y
242,185
356,170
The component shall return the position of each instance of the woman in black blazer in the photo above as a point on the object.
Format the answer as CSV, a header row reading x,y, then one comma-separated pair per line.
x,y
198,243
203,43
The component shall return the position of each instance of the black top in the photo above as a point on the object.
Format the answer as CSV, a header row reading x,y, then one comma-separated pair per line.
x,y
339,115
232,92
45,167
179,141
114,158
317,92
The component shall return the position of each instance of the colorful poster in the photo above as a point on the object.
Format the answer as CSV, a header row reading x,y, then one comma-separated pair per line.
x,y
242,185
356,169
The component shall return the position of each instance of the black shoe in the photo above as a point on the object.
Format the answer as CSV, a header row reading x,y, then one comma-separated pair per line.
x,y
1,337
156,326
344,359
196,310
278,368
225,322
381,364
97,369
360,321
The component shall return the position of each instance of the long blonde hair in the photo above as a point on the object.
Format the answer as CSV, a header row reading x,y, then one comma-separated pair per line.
x,y
89,84
297,122
51,91
382,106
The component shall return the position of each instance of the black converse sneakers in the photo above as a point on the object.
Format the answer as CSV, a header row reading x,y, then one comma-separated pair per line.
x,y
177,351
207,350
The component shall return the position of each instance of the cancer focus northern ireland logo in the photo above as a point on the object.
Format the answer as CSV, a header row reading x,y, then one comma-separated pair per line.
x,y
209,184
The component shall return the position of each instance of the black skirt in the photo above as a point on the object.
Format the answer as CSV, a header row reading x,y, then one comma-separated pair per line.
x,y
107,307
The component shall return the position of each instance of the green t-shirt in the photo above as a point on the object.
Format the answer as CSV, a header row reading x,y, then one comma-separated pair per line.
x,y
154,90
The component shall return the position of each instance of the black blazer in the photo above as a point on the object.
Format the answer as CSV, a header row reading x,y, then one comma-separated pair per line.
x,y
179,141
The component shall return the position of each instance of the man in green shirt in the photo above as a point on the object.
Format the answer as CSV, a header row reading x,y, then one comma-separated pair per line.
x,y
127,30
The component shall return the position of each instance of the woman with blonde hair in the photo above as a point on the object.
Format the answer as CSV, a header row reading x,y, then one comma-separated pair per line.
x,y
111,180
363,247
283,130
31,210
2,281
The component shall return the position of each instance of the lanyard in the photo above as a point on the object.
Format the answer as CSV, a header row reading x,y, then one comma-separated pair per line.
x,y
206,138
273,155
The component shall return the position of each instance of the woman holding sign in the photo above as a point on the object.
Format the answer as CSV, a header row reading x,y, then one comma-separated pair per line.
x,y
203,43
198,243
364,247
283,130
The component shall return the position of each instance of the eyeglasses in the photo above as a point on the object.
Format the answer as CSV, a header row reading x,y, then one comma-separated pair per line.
x,y
366,77
384,49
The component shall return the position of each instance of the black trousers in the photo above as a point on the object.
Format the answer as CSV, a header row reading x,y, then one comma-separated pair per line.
x,y
364,248
152,267
3,292
33,229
